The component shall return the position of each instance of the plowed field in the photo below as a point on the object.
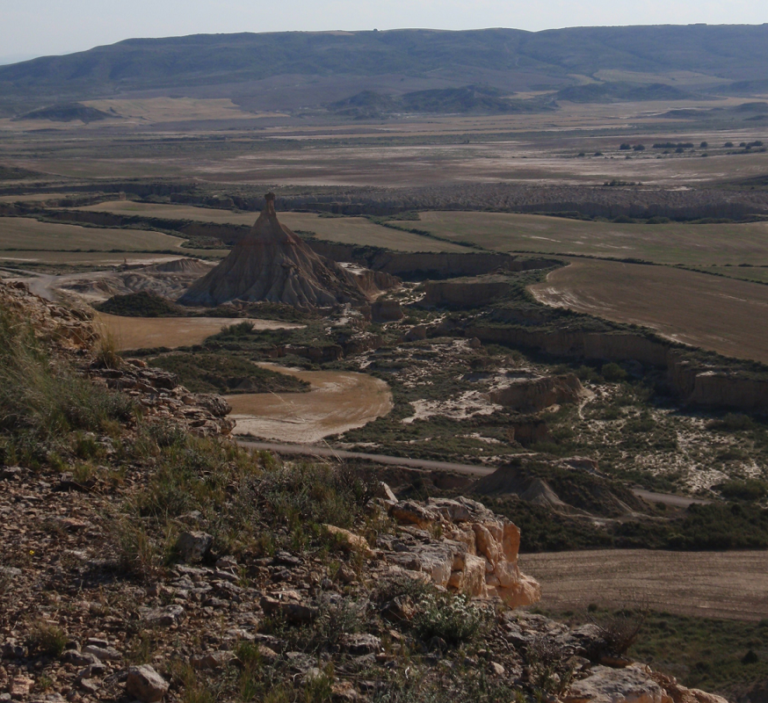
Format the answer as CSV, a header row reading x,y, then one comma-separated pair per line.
x,y
730,585
711,312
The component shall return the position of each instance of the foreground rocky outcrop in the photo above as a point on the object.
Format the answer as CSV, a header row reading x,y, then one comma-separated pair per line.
x,y
161,397
65,330
475,554
272,264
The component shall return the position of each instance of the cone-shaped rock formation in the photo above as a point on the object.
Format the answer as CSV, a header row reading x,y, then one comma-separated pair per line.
x,y
271,263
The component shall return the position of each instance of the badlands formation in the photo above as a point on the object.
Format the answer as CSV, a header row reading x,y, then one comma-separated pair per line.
x,y
272,264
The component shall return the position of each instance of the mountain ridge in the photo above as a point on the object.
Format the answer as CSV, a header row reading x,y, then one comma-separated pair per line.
x,y
510,59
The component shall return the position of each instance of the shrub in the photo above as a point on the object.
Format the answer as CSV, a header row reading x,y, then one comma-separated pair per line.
x,y
453,618
612,372
549,667
47,639
620,631
752,489
219,373
141,304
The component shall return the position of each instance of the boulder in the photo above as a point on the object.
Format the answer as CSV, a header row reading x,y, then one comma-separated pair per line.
x,y
350,539
409,511
194,546
606,685
293,611
145,684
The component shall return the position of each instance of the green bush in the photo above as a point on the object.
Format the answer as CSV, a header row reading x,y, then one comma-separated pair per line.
x,y
752,489
453,618
47,639
220,373
142,304
613,372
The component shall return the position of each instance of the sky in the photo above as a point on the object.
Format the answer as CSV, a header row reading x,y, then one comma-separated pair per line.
x,y
32,28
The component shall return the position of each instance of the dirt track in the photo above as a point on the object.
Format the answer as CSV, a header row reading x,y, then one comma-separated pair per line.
x,y
731,585
710,312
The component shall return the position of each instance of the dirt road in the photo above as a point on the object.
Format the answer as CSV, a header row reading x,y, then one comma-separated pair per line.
x,y
731,585
331,453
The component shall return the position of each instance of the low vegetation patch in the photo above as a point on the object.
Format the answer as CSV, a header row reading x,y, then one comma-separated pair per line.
x,y
220,373
142,304
43,399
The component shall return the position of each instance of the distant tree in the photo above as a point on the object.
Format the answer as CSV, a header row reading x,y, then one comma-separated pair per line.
x,y
728,145
704,145
639,147
679,150
625,147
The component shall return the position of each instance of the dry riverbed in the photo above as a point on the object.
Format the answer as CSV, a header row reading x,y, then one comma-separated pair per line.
x,y
171,332
338,401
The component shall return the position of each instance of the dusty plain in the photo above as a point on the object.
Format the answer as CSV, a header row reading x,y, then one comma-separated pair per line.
x,y
730,585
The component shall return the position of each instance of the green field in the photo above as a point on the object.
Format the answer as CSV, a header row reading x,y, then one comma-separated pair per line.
x,y
24,240
32,235
346,230
672,243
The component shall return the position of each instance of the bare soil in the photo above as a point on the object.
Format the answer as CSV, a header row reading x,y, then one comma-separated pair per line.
x,y
171,332
731,585
711,312
338,401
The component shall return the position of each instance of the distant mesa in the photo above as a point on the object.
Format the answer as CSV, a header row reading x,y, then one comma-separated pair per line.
x,y
273,264
69,112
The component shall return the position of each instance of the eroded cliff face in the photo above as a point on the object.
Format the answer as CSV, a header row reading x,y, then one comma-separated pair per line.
x,y
458,294
421,265
694,383
534,394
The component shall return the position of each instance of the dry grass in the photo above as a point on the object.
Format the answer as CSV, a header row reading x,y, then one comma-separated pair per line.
x,y
711,312
732,585
672,243
174,212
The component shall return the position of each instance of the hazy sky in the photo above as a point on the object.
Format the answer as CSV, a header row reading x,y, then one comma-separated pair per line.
x,y
42,27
